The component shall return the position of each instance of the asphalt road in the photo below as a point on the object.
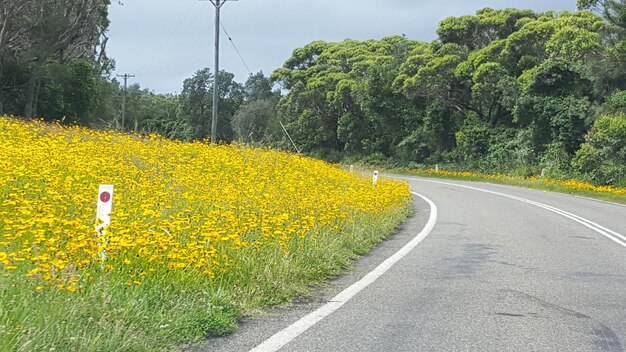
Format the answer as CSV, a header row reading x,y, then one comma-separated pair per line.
x,y
503,269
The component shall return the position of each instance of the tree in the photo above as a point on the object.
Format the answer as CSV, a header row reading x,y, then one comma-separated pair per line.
x,y
196,101
554,103
337,95
62,32
485,27
13,31
613,11
251,122
256,119
147,112
259,87
37,36
70,91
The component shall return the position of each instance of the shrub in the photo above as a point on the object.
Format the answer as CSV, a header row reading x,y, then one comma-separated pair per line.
x,y
602,158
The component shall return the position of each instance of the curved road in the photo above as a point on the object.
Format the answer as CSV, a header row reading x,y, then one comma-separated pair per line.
x,y
503,269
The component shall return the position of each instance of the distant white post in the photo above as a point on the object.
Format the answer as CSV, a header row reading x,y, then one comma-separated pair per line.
x,y
375,177
351,168
103,214
437,168
543,172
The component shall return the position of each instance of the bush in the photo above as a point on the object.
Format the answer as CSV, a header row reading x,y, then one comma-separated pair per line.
x,y
602,158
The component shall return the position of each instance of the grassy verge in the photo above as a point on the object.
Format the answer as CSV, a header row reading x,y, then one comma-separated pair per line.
x,y
574,187
169,309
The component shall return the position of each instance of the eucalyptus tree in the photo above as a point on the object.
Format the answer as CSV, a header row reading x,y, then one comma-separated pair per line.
x,y
256,120
340,95
196,101
60,33
40,40
613,10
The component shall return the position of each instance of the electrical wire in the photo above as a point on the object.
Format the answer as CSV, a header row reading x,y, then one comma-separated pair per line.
x,y
250,73
157,58
235,47
239,54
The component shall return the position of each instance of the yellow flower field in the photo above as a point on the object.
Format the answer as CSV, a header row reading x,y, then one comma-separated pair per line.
x,y
176,205
182,213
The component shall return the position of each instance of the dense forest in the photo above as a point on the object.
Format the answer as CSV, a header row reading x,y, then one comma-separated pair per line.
x,y
502,90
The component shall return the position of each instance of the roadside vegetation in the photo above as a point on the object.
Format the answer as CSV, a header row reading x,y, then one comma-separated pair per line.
x,y
502,91
609,193
200,235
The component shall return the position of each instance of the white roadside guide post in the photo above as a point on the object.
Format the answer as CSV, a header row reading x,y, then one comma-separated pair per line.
x,y
351,168
375,177
103,215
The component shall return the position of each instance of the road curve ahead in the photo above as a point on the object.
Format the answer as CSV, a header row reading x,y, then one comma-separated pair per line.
x,y
503,269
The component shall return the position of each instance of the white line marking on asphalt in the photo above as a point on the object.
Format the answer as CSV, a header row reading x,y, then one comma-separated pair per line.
x,y
289,333
608,233
594,199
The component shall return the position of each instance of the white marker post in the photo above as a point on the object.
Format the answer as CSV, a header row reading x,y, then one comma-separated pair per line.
x,y
375,177
437,168
103,214
351,168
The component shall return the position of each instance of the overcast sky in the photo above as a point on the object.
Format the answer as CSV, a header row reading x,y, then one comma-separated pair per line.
x,y
163,42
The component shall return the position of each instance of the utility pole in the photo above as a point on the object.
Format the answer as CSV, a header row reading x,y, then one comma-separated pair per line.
x,y
218,6
126,76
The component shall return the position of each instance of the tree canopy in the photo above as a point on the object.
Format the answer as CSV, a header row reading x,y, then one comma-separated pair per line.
x,y
501,89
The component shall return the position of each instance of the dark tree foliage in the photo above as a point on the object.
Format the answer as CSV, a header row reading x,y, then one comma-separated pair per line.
x,y
52,54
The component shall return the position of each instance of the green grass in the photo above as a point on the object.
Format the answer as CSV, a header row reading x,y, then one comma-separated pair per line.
x,y
165,312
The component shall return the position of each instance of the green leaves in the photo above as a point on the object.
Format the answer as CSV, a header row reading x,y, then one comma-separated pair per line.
x,y
614,11
337,91
196,103
490,78
486,26
42,47
602,158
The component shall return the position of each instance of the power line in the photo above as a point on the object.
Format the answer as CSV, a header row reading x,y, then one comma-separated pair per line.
x,y
159,54
236,50
250,73
218,4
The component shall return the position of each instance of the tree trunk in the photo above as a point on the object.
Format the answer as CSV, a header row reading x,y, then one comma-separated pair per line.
x,y
31,93
3,30
30,97
35,103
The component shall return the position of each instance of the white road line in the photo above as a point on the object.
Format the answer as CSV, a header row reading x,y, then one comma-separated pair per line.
x,y
289,333
401,177
608,233
594,199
